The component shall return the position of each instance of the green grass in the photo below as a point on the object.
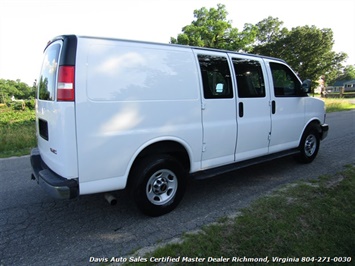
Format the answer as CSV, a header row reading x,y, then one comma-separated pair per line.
x,y
17,132
338,105
302,220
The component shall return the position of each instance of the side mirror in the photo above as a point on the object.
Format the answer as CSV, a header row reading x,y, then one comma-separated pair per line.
x,y
306,86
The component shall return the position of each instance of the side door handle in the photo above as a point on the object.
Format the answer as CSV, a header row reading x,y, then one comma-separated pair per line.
x,y
273,107
241,109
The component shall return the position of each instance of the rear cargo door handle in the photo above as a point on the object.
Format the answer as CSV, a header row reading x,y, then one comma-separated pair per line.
x,y
241,109
273,107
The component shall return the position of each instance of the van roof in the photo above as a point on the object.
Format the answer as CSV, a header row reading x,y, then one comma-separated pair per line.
x,y
62,37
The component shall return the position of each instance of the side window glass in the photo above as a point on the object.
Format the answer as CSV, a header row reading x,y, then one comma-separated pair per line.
x,y
286,84
215,77
250,80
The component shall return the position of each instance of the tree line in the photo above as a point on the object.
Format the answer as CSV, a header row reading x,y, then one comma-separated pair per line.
x,y
15,88
307,49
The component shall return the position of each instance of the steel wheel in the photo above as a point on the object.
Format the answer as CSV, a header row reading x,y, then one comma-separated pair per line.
x,y
161,187
157,184
310,145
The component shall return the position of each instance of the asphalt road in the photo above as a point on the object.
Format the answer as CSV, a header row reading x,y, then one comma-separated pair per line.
x,y
38,230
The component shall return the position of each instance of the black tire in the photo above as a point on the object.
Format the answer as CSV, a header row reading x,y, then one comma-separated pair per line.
x,y
309,145
158,184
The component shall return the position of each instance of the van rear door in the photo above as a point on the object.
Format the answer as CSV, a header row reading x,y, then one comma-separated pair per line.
x,y
55,109
254,121
219,113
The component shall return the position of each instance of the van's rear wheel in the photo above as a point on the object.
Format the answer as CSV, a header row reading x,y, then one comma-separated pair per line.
x,y
309,145
158,184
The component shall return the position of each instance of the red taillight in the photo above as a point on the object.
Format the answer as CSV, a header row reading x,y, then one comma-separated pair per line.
x,y
66,78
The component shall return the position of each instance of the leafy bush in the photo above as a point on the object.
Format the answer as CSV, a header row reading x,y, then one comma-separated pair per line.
x,y
21,105
17,131
9,116
18,106
30,104
18,89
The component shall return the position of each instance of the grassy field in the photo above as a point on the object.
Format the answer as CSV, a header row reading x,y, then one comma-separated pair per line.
x,y
336,105
311,222
17,132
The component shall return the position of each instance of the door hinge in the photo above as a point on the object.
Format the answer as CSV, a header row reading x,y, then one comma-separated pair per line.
x,y
203,106
269,136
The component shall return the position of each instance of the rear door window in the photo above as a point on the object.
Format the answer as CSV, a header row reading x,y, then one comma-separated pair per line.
x,y
250,78
216,77
48,78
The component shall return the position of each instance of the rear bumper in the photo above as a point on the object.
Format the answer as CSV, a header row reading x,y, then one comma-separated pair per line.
x,y
325,129
57,186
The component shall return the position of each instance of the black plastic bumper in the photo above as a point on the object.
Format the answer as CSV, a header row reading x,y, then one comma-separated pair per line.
x,y
325,129
57,186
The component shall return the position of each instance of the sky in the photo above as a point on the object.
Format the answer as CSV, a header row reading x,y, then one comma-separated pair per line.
x,y
27,25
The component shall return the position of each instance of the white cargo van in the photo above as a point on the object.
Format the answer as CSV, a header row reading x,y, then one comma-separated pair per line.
x,y
114,114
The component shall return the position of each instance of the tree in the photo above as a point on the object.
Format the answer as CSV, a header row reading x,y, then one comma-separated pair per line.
x,y
269,30
307,49
212,29
18,89
347,73
246,38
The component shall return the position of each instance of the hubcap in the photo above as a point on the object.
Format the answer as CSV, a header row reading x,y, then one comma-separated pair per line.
x,y
161,187
310,145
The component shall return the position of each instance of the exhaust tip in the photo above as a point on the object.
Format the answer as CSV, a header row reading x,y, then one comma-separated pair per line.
x,y
110,199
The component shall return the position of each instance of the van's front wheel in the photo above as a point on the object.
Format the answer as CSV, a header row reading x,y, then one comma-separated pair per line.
x,y
158,184
309,145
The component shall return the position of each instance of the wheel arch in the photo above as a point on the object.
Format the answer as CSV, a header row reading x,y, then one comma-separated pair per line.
x,y
311,123
173,147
